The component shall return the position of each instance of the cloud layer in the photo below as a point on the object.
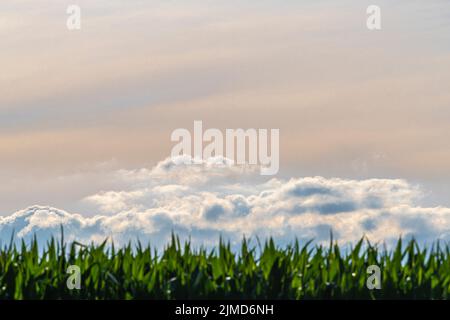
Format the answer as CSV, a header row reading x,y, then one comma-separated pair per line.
x,y
215,199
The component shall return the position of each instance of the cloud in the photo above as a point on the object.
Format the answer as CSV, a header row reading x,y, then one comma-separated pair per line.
x,y
212,199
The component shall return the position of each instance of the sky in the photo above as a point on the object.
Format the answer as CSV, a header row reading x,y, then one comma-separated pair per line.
x,y
86,117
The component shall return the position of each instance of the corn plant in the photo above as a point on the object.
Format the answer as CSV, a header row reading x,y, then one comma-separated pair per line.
x,y
266,271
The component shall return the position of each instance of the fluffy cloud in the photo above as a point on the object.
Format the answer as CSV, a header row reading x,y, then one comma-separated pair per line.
x,y
212,199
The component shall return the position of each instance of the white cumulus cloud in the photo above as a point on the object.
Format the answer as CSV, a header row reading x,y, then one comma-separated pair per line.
x,y
205,201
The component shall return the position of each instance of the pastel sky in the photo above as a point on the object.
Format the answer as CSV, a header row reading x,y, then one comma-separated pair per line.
x,y
76,107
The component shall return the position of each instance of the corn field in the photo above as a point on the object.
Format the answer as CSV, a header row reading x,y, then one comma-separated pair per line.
x,y
264,271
